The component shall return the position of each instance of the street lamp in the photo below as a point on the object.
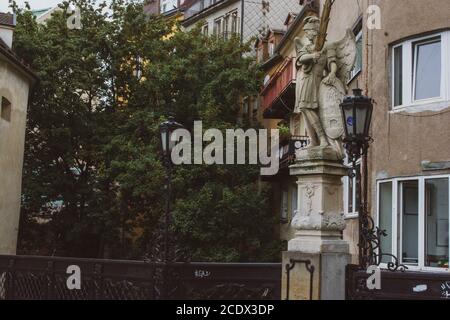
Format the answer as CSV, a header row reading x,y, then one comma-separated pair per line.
x,y
167,130
357,115
168,139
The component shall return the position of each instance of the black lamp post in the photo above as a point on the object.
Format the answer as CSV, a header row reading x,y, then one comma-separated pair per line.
x,y
168,141
357,115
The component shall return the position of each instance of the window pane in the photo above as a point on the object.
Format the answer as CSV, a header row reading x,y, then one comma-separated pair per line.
x,y
358,63
437,215
350,195
284,206
409,211
357,188
427,62
398,76
385,215
359,46
294,198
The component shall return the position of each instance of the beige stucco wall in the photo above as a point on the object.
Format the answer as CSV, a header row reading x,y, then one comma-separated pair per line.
x,y
15,88
402,140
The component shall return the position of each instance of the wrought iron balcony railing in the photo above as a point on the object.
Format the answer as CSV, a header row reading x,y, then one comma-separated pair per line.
x,y
278,95
289,147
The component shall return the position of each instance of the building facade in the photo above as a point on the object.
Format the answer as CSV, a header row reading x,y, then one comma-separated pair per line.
x,y
16,79
410,156
405,68
244,17
165,7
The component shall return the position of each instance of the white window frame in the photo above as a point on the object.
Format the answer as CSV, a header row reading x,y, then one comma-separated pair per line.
x,y
284,206
408,66
226,26
396,238
354,72
234,22
205,29
271,48
346,180
294,200
217,30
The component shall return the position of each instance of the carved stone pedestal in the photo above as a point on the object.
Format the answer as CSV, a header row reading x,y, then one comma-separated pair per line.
x,y
319,223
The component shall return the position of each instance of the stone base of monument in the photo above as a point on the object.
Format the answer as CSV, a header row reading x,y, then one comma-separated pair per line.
x,y
314,276
319,223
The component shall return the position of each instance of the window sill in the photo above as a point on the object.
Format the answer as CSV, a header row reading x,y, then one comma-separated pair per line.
x,y
435,105
384,266
351,216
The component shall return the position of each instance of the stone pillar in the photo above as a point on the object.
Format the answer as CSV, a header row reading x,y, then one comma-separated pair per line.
x,y
319,224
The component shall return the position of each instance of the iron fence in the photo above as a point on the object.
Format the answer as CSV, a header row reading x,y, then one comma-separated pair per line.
x,y
408,285
45,278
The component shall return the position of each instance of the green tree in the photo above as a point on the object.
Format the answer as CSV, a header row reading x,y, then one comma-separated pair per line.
x,y
92,148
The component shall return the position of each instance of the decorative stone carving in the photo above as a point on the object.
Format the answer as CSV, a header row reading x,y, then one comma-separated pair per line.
x,y
322,84
310,190
322,72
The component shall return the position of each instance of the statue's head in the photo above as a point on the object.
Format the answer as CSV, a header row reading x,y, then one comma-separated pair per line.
x,y
311,27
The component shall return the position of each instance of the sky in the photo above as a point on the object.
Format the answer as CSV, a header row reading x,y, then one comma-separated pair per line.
x,y
35,4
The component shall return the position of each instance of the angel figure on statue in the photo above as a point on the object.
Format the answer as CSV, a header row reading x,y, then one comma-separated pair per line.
x,y
321,85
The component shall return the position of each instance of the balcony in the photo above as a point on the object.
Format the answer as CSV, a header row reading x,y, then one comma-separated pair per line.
x,y
289,147
278,96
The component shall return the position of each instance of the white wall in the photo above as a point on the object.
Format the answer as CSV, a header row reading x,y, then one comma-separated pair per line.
x,y
168,5
6,34
12,139
220,13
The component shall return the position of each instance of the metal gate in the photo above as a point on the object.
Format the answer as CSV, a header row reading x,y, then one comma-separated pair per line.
x,y
43,278
406,285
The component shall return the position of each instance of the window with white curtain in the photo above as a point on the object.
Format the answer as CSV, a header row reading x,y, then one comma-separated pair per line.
x,y
284,209
294,200
421,71
351,194
359,51
415,213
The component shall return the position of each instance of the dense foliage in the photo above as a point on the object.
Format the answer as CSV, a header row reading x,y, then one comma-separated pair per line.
x,y
93,180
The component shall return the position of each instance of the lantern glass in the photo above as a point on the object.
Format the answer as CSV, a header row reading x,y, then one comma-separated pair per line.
x,y
164,134
368,119
168,135
357,113
173,139
361,116
349,120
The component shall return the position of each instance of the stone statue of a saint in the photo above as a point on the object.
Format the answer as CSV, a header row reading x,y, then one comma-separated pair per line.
x,y
321,86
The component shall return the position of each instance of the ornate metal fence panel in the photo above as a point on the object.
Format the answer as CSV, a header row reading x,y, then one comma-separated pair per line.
x,y
230,281
406,285
45,278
